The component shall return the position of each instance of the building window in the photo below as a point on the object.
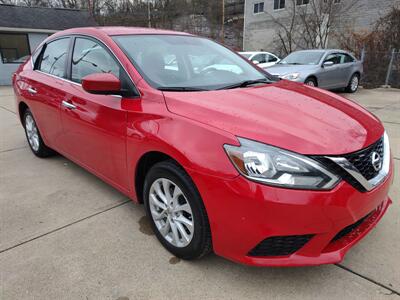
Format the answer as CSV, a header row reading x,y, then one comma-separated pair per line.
x,y
14,47
258,7
302,2
279,4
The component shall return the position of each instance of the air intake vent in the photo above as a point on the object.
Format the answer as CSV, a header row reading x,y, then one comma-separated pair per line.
x,y
280,245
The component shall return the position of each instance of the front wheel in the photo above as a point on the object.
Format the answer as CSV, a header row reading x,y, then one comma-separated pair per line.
x,y
176,211
310,82
352,87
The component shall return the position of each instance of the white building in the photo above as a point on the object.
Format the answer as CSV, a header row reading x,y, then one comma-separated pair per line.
x,y
22,29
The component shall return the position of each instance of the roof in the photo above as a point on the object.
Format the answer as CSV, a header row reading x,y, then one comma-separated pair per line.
x,y
13,16
121,30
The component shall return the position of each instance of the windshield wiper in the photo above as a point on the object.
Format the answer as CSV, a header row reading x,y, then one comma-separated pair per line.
x,y
245,83
180,89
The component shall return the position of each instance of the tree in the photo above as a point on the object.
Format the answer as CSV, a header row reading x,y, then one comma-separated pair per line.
x,y
309,23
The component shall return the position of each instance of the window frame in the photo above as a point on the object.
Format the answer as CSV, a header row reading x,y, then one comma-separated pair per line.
x,y
302,2
135,92
258,7
279,5
27,41
38,62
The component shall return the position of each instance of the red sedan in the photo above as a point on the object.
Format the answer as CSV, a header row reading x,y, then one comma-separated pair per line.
x,y
224,156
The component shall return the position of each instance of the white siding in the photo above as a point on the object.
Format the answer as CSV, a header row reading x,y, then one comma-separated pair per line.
x,y
6,70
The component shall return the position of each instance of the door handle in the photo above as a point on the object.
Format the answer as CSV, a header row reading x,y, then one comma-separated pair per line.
x,y
32,91
68,105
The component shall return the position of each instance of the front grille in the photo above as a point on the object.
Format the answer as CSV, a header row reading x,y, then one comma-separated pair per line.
x,y
362,161
336,169
349,229
280,245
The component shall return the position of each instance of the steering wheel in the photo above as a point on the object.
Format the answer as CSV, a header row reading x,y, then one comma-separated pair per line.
x,y
207,71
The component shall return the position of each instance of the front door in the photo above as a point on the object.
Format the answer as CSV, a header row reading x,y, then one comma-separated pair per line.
x,y
331,76
94,126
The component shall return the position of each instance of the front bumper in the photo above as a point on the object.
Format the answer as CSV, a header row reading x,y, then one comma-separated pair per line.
x,y
243,213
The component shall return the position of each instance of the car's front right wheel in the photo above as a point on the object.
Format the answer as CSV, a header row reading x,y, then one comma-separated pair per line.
x,y
176,211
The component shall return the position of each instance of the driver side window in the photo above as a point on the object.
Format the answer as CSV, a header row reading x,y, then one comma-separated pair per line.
x,y
335,58
261,58
90,57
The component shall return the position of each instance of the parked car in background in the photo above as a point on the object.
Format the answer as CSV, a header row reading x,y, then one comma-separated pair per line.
x,y
327,69
224,156
262,59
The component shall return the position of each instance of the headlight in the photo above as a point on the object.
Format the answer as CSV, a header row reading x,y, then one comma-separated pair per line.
x,y
278,167
291,76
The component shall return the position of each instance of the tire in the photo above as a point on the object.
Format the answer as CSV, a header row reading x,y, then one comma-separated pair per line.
x,y
33,136
311,82
354,82
198,239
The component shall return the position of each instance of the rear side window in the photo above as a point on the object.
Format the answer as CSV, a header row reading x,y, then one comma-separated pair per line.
x,y
53,60
90,57
347,58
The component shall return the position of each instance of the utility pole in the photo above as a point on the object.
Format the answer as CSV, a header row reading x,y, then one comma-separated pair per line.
x,y
223,22
148,14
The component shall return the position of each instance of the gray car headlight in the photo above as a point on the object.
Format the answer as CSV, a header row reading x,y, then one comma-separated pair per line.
x,y
291,76
278,167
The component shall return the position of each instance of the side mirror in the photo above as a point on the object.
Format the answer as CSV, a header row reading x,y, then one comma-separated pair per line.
x,y
328,64
102,84
256,62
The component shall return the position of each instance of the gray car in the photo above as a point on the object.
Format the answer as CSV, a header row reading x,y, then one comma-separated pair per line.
x,y
327,69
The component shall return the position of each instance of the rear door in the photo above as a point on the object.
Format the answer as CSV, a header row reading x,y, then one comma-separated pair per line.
x,y
94,126
346,65
45,88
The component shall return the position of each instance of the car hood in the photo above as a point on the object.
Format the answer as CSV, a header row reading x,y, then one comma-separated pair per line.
x,y
281,69
283,114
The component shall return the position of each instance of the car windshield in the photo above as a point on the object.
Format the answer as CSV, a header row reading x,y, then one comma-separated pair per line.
x,y
179,62
302,58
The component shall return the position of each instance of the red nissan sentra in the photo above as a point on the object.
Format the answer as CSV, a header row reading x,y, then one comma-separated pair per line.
x,y
225,157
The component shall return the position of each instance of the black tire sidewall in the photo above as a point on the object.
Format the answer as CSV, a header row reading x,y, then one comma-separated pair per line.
x,y
349,85
310,79
176,175
43,150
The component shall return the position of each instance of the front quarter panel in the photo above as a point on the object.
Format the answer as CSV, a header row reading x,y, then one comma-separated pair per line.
x,y
195,146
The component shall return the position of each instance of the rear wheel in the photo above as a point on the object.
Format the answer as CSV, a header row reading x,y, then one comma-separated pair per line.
x,y
33,136
176,211
352,87
310,81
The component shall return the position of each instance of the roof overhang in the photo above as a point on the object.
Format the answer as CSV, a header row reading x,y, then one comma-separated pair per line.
x,y
28,30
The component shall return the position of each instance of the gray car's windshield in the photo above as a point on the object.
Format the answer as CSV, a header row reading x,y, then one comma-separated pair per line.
x,y
303,58
187,63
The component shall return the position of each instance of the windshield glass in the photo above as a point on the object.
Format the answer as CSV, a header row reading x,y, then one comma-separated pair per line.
x,y
303,58
186,62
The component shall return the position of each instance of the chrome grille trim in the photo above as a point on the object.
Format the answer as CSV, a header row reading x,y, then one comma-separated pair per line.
x,y
374,182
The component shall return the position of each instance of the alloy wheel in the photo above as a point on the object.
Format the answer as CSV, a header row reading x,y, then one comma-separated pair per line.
x,y
354,83
171,212
32,132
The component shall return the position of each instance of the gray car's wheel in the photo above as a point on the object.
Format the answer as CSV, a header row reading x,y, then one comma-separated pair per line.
x,y
354,82
311,82
33,136
176,211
